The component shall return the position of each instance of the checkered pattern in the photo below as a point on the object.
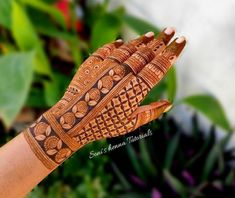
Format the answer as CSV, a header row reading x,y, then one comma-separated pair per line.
x,y
113,119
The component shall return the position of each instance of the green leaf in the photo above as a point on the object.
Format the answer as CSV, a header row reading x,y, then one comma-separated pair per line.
x,y
16,71
155,93
216,156
171,149
210,162
171,84
175,183
121,177
139,25
5,13
37,192
55,88
35,99
145,156
27,39
53,12
106,29
210,107
134,161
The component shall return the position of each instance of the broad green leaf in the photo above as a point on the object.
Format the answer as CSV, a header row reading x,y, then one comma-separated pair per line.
x,y
76,52
35,99
155,93
171,84
210,107
139,25
37,192
171,149
27,39
47,8
106,29
16,72
175,183
5,13
55,87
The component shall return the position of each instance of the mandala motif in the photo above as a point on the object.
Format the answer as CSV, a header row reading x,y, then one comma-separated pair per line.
x,y
63,154
67,120
117,72
52,142
105,84
80,109
92,96
42,130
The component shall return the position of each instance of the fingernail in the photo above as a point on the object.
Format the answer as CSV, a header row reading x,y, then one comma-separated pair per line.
x,y
167,108
119,41
169,30
180,39
149,34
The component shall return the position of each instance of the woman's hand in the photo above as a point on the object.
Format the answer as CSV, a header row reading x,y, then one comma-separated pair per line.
x,y
103,99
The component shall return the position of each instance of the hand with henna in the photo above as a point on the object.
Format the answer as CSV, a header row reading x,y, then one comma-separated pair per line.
x,y
102,101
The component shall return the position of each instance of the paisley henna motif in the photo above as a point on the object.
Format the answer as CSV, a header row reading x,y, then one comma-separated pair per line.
x,y
102,100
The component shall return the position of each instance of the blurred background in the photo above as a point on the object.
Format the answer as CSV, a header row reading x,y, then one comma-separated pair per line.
x,y
187,153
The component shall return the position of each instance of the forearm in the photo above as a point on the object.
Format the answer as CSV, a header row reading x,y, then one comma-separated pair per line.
x,y
20,169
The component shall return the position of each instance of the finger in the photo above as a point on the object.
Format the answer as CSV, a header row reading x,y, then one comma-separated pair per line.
x,y
142,40
107,49
126,50
153,72
159,43
91,65
146,52
145,114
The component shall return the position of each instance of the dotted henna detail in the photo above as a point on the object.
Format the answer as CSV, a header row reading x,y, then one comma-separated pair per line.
x,y
67,120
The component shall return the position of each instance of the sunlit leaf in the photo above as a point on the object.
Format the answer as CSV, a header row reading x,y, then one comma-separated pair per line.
x,y
5,13
27,39
210,107
155,93
106,29
16,71
171,84
47,8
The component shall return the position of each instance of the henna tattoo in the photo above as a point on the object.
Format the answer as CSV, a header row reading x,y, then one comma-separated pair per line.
x,y
102,97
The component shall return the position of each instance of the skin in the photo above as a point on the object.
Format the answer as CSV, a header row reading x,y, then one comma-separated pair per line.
x,y
21,170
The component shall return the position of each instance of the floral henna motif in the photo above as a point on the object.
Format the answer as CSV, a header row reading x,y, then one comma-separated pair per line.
x,y
55,149
102,98
42,134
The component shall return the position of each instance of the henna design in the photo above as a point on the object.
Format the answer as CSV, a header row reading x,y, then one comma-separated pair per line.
x,y
103,98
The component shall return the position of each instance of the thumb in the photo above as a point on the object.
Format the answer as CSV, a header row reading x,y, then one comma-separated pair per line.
x,y
147,113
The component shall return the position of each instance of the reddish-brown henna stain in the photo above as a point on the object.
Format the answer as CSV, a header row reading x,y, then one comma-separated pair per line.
x,y
103,99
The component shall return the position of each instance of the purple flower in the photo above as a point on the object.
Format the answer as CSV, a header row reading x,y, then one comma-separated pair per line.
x,y
156,193
188,177
138,181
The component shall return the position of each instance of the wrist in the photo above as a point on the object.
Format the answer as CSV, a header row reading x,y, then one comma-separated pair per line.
x,y
49,142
